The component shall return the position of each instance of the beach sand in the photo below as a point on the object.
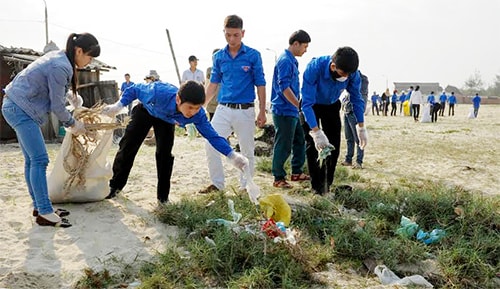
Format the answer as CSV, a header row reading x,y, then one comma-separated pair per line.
x,y
455,150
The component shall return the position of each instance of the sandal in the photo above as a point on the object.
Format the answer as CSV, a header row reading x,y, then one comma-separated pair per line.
x,y
282,184
300,177
210,189
59,212
64,223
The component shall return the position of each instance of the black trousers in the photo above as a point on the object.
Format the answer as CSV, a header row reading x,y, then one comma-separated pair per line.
x,y
135,133
328,119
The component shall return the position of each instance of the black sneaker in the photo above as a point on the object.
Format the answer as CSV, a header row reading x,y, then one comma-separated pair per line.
x,y
112,193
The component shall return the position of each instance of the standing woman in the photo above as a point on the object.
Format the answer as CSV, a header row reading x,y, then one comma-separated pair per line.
x,y
35,92
416,100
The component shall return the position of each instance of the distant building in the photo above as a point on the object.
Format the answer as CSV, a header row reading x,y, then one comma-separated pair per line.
x,y
425,87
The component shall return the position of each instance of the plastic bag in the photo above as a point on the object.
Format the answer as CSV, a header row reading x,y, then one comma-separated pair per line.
x,y
471,113
408,228
387,277
276,208
426,113
430,238
92,184
252,189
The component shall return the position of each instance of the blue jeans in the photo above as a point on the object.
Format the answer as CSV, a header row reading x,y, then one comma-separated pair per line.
x,y
289,137
36,159
351,137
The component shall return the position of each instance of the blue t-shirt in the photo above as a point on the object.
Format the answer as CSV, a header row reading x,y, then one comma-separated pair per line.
x,y
158,98
125,85
476,101
442,97
286,75
318,87
237,76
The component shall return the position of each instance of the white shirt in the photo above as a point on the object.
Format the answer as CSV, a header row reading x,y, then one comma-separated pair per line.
x,y
416,97
197,75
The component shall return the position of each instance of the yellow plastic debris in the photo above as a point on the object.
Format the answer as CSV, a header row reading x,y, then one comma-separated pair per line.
x,y
275,207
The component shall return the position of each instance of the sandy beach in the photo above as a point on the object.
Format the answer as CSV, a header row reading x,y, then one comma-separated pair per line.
x,y
455,150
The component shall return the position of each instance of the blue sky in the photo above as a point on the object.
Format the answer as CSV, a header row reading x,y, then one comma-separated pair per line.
x,y
398,41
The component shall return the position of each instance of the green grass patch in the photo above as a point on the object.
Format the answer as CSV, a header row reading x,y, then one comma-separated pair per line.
x,y
347,228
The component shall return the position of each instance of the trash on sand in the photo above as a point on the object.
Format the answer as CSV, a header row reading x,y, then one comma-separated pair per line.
x,y
387,277
275,207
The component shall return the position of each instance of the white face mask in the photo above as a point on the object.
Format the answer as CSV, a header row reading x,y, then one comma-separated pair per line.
x,y
341,79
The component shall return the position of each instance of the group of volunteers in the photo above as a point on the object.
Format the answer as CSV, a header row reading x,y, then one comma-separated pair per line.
x,y
306,118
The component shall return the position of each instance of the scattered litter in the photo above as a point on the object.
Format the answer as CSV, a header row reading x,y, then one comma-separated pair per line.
x,y
408,228
236,217
387,277
430,238
275,207
210,241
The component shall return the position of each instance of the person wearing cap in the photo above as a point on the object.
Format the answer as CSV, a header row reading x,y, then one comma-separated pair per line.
x,y
324,79
193,73
238,69
162,106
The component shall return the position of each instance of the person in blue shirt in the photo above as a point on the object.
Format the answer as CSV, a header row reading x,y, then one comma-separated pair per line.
x,y
238,69
324,79
162,106
125,84
394,105
431,99
476,101
30,97
285,95
374,99
442,102
364,90
452,100
402,99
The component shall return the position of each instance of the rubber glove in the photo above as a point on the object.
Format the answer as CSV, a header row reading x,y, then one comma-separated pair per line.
x,y
77,128
238,160
362,136
320,139
74,100
112,109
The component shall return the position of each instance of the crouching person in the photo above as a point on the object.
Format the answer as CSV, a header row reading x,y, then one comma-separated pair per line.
x,y
162,106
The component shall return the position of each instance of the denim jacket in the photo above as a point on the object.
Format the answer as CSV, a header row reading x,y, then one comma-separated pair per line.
x,y
41,88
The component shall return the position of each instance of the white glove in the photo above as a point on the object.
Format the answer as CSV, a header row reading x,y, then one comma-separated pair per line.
x,y
74,100
77,128
362,136
112,109
320,139
238,160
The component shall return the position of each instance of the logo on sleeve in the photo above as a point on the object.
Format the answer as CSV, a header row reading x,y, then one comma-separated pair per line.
x,y
246,68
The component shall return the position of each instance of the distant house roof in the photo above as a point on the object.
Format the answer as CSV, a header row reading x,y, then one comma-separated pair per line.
x,y
425,87
28,55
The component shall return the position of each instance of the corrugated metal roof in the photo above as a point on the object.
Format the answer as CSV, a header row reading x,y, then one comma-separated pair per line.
x,y
28,55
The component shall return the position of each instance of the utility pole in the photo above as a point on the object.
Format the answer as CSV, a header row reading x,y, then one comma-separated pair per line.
x,y
46,24
173,56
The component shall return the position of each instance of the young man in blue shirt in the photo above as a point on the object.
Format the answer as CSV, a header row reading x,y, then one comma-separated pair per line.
x,y
452,100
285,95
476,102
442,101
162,106
238,70
324,80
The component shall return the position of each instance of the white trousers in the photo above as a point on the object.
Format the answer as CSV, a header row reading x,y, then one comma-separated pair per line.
x,y
225,121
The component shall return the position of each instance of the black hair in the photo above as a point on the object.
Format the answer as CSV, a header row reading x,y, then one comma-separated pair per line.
x,y
193,92
411,87
90,46
432,92
233,21
346,59
300,36
417,88
126,74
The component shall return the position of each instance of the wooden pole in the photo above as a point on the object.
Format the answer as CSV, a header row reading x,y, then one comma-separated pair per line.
x,y
173,56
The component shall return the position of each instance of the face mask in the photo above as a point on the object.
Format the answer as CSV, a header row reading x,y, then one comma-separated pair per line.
x,y
337,77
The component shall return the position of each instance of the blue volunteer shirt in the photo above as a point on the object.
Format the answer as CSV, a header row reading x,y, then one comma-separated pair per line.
x,y
431,99
476,101
158,98
402,97
286,75
442,97
452,99
319,88
125,85
237,75
394,98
